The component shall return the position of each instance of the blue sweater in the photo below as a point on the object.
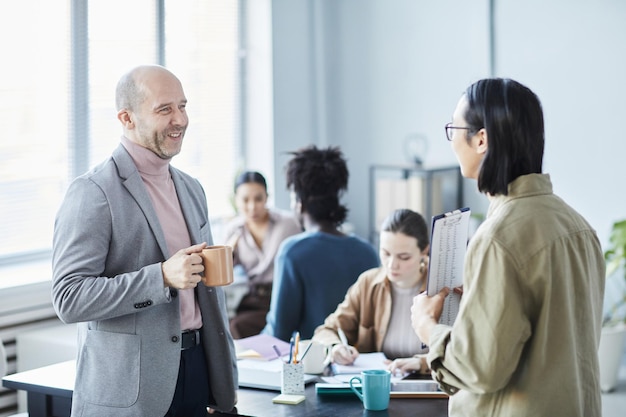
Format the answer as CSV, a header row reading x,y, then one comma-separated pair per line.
x,y
312,273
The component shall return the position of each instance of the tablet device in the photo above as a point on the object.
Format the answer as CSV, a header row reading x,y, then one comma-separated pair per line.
x,y
416,388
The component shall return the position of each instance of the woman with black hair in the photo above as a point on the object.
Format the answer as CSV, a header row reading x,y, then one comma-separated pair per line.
x,y
255,235
526,337
314,269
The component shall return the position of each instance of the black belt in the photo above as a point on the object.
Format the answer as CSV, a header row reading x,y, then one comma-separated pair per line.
x,y
189,339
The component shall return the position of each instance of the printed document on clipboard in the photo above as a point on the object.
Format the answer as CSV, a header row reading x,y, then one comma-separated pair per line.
x,y
448,244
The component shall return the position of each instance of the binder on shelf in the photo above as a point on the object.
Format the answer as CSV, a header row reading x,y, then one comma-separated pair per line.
x,y
426,190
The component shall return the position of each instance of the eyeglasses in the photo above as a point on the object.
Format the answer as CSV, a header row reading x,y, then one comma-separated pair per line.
x,y
449,131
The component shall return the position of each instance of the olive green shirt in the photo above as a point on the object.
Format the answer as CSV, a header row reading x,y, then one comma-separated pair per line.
x,y
525,340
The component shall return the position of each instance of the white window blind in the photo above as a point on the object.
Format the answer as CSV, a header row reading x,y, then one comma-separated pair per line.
x,y
200,44
33,116
202,48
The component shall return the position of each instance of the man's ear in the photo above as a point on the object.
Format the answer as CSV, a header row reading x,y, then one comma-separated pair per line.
x,y
482,143
125,118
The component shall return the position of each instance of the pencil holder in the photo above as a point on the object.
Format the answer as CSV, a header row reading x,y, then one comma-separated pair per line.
x,y
292,379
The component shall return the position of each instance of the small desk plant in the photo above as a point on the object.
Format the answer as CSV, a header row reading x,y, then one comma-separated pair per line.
x,y
613,337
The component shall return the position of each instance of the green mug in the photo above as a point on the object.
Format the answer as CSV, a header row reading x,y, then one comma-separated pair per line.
x,y
375,388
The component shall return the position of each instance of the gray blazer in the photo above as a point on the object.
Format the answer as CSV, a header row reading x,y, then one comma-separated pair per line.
x,y
108,248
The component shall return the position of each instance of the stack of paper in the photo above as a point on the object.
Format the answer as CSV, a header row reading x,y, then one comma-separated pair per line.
x,y
365,361
254,373
259,364
261,346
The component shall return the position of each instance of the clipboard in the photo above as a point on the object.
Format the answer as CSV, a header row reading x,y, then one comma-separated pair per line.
x,y
448,245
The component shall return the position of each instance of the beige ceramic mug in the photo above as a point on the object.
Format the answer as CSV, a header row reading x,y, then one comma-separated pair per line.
x,y
218,265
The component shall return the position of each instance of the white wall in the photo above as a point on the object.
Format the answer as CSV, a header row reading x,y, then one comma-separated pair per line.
x,y
364,75
573,55
396,67
294,89
259,112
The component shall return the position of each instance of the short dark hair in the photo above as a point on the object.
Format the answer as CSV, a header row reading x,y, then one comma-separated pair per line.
x,y
318,177
247,177
409,223
513,118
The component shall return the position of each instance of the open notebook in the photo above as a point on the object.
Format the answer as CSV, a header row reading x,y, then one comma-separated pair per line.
x,y
374,360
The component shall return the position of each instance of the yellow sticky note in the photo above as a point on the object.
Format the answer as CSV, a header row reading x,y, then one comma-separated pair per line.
x,y
288,399
249,354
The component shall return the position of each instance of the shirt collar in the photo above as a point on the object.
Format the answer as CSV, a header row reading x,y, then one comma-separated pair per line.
x,y
147,162
522,186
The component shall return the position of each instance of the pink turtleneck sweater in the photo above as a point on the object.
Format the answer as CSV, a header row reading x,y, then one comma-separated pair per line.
x,y
158,181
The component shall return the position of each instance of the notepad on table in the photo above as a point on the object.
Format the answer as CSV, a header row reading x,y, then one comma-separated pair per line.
x,y
365,361
261,347
288,399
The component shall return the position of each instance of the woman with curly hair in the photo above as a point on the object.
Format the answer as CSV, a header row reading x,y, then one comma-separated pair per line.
x,y
314,269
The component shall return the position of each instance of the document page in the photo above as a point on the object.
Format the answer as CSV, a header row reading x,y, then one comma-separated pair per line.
x,y
448,244
373,360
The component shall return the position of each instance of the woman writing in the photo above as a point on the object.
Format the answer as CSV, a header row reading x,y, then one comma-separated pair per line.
x,y
255,236
376,312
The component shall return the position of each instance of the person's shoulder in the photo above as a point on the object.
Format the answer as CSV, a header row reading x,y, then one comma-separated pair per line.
x,y
295,241
359,239
361,243
279,214
372,276
284,218
100,174
297,246
233,224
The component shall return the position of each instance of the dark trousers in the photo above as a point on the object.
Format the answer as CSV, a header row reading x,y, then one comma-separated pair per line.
x,y
251,312
191,397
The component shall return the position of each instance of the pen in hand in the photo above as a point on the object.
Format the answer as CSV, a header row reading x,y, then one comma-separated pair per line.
x,y
350,354
342,337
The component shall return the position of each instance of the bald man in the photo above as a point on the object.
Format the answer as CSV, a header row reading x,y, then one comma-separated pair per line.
x,y
153,339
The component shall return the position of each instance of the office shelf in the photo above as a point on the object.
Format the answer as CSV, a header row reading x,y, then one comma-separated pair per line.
x,y
426,190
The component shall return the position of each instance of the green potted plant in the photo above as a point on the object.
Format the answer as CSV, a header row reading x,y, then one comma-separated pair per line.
x,y
613,336
615,257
